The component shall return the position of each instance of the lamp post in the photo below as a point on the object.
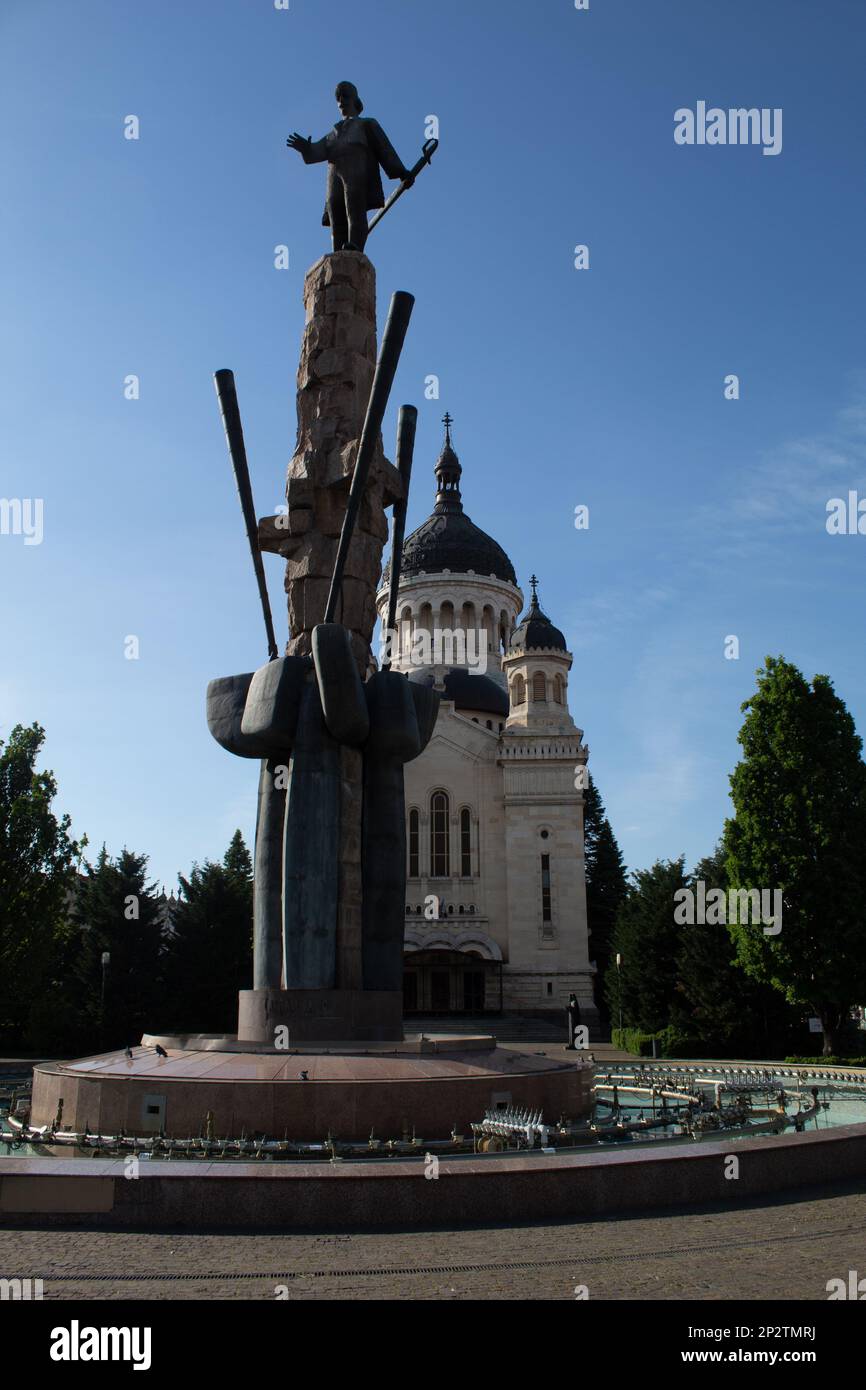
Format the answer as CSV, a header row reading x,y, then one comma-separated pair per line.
x,y
619,986
106,961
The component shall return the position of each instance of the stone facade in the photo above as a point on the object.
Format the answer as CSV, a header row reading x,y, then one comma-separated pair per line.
x,y
511,928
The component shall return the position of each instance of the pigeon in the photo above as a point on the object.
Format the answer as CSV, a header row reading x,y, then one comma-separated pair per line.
x,y
160,1051
129,1052
303,1076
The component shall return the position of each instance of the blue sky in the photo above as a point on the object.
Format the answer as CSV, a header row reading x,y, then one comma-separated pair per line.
x,y
601,387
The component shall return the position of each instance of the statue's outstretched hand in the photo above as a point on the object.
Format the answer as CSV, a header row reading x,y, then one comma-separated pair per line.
x,y
408,178
297,142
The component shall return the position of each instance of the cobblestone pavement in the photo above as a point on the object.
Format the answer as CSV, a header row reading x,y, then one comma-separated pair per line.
x,y
786,1249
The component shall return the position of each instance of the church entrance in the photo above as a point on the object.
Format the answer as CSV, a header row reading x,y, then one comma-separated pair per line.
x,y
451,982
440,991
473,991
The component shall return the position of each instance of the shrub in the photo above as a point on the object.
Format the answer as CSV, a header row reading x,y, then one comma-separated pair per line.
x,y
633,1040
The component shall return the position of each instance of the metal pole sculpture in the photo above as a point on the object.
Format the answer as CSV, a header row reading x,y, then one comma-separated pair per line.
x,y
226,701
224,381
428,150
407,421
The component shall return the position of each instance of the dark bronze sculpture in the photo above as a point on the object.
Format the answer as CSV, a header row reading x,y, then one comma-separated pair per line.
x,y
355,150
332,750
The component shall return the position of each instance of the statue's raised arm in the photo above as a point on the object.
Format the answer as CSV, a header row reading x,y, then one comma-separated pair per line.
x,y
311,151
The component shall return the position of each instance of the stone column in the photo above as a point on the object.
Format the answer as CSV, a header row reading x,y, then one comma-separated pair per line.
x,y
335,373
338,359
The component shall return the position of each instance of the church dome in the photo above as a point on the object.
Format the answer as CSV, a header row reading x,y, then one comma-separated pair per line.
x,y
468,691
448,540
536,632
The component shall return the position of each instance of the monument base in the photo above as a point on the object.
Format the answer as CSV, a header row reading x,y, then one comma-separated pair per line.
x,y
317,1015
431,1084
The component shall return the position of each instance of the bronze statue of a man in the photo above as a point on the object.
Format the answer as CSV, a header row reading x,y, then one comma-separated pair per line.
x,y
354,150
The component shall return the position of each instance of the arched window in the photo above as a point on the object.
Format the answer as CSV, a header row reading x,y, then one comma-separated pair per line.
x,y
422,636
404,632
519,689
539,686
414,844
559,690
440,858
465,844
489,621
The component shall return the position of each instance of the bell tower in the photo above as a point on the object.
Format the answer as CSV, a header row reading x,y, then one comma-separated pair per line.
x,y
543,758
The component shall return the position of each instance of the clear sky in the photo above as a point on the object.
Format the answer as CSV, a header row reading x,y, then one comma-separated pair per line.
x,y
602,387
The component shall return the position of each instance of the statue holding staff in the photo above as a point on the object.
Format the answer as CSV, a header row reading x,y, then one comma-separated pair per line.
x,y
355,150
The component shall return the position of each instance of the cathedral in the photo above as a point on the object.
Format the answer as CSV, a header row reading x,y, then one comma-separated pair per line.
x,y
495,892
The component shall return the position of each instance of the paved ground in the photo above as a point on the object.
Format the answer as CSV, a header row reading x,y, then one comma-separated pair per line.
x,y
765,1251
781,1250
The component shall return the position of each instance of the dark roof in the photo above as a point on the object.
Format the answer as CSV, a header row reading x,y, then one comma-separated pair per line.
x,y
536,632
453,542
448,540
469,692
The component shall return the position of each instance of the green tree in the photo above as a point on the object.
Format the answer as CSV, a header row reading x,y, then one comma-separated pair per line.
x,y
606,882
647,939
237,861
37,872
728,1011
118,913
209,955
799,826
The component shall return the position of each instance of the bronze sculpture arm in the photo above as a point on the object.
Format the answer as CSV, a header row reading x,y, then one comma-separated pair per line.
x,y
387,155
311,151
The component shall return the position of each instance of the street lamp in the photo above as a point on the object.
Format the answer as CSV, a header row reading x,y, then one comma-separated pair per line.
x,y
106,961
619,986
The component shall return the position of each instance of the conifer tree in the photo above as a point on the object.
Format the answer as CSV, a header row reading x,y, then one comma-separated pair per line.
x,y
643,988
118,914
606,882
209,954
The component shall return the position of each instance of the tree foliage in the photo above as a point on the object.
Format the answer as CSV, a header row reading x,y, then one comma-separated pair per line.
x,y
118,913
37,871
644,986
716,1002
799,825
209,956
606,881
